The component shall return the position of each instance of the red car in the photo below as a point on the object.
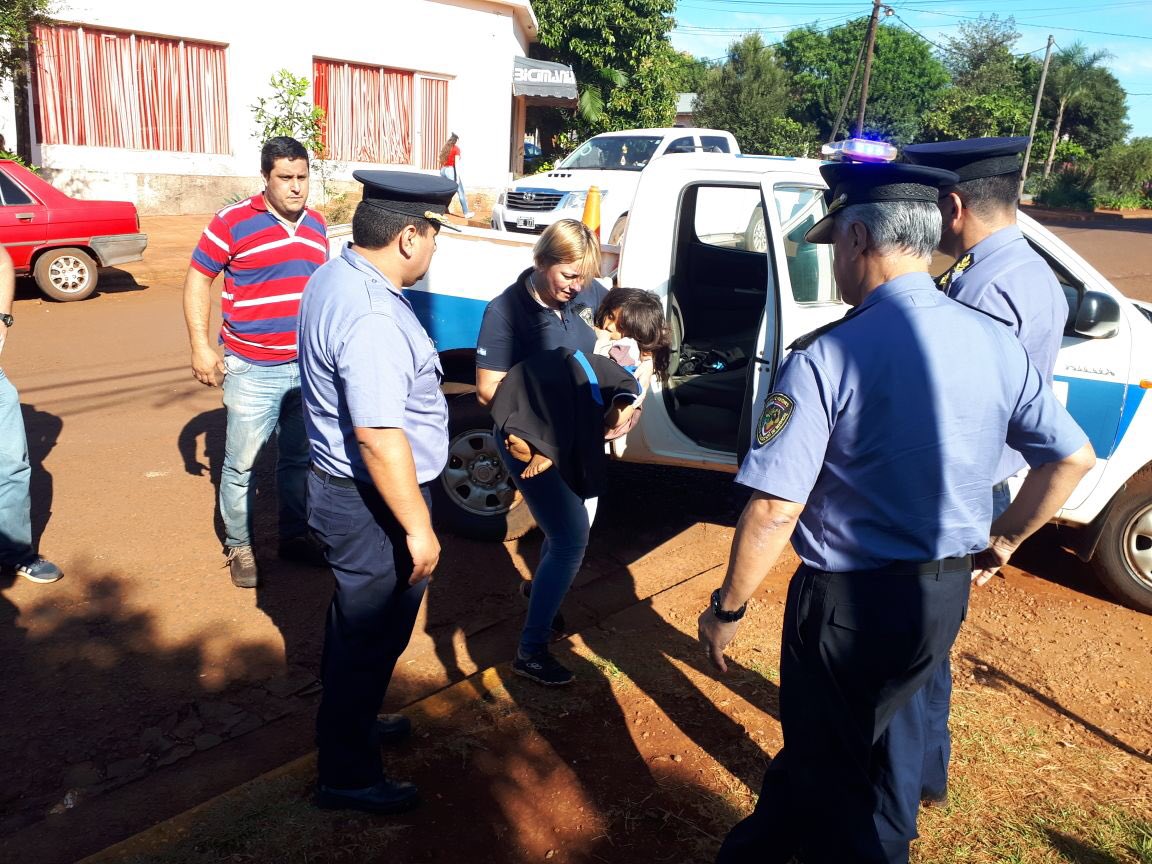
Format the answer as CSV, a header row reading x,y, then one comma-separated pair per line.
x,y
62,240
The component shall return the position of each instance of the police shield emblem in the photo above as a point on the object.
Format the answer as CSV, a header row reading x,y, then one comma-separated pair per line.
x,y
777,411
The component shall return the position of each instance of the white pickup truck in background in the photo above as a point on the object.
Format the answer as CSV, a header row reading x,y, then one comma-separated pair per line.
x,y
719,238
613,163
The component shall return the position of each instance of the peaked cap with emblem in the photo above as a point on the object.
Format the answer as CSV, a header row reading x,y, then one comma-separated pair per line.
x,y
971,158
409,193
875,183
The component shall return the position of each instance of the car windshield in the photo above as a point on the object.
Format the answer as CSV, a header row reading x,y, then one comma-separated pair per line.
x,y
613,153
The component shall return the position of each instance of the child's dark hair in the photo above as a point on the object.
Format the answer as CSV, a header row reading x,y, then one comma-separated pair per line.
x,y
639,316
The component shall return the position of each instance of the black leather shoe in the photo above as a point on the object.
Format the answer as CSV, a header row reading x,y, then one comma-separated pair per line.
x,y
387,796
392,729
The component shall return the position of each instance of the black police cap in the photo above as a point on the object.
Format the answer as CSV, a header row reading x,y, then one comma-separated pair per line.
x,y
875,183
971,158
409,193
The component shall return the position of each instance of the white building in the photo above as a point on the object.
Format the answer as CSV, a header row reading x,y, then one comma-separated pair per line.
x,y
153,102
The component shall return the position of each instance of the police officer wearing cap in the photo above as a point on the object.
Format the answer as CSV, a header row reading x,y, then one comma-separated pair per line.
x,y
875,459
998,272
377,428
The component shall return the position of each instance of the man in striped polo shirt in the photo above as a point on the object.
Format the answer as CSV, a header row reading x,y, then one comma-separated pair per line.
x,y
267,246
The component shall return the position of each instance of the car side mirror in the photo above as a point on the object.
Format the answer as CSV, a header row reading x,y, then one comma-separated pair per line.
x,y
1097,316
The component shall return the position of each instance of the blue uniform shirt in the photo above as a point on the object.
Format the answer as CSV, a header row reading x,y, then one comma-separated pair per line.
x,y
515,326
1007,279
366,361
889,427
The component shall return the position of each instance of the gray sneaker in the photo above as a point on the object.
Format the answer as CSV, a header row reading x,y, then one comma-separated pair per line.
x,y
242,567
39,570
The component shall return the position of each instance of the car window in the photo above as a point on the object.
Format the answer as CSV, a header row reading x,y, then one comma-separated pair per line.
x,y
715,144
612,153
681,145
10,193
730,216
809,264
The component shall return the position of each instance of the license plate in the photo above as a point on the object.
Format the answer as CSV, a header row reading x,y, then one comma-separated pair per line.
x,y
525,221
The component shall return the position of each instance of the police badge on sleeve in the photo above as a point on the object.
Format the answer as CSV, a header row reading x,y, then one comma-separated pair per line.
x,y
775,416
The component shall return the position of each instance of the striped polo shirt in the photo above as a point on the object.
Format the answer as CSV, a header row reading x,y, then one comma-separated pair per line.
x,y
266,264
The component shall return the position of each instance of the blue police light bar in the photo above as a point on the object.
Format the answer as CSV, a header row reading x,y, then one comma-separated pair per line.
x,y
859,150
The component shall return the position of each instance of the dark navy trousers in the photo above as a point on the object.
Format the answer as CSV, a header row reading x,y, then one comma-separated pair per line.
x,y
856,647
369,624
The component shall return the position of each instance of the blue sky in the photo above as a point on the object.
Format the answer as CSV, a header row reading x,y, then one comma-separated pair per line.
x,y
705,28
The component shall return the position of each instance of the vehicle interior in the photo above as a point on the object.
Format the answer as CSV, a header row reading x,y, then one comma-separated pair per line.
x,y
718,289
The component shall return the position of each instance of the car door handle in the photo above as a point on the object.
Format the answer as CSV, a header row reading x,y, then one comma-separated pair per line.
x,y
25,217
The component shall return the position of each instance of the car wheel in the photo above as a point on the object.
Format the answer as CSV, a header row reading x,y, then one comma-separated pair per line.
x,y
756,234
66,274
1123,559
475,496
617,232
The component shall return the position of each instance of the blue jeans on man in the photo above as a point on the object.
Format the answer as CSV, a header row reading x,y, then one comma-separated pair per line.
x,y
16,548
262,400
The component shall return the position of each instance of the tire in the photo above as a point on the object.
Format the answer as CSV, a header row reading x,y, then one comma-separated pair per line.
x,y
66,274
617,232
475,496
1123,560
756,234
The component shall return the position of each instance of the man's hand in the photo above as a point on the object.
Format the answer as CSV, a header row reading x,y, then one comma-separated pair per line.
x,y
207,365
425,551
987,564
714,636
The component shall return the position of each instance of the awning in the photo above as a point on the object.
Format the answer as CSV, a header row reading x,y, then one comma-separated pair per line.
x,y
541,78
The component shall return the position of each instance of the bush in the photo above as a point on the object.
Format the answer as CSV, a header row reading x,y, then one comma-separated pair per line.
x,y
1070,189
1124,201
1125,169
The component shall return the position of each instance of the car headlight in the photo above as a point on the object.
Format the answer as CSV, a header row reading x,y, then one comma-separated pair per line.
x,y
500,198
574,199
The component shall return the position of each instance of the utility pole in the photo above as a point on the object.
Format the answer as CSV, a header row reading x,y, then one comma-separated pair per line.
x,y
870,43
1035,114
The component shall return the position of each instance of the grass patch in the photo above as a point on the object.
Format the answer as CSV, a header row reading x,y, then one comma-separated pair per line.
x,y
1032,793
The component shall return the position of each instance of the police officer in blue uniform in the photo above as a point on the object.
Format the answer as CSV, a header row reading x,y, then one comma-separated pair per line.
x,y
377,428
876,460
998,272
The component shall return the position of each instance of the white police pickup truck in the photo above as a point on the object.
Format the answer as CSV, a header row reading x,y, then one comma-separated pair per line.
x,y
613,163
720,239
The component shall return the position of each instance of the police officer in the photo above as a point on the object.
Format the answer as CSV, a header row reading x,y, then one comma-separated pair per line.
x,y
377,429
998,272
876,460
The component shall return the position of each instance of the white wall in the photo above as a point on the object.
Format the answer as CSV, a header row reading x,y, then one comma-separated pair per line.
x,y
471,42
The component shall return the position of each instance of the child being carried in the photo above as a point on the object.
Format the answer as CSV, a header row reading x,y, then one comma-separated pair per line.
x,y
631,330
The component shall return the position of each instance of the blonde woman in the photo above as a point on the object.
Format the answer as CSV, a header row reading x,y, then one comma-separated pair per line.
x,y
550,305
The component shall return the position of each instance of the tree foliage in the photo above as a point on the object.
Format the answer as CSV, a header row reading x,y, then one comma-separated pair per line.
x,y
18,18
906,79
749,95
1070,78
962,113
1125,169
289,112
613,41
688,72
980,60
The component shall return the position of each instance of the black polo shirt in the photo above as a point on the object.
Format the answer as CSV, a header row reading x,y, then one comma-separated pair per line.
x,y
516,327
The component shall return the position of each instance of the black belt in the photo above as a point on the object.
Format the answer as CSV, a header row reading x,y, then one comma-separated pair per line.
x,y
963,564
333,480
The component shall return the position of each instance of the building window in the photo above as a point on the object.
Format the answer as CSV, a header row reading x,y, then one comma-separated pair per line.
x,y
375,114
104,88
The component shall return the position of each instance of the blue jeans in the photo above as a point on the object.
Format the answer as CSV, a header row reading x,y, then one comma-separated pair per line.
x,y
450,173
260,400
15,474
566,519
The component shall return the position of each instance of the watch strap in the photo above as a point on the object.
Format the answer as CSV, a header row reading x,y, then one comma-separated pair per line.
x,y
728,617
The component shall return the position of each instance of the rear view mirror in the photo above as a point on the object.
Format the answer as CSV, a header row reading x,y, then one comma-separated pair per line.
x,y
1097,316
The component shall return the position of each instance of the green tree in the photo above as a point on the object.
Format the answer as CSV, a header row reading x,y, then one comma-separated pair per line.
x,y
619,49
906,79
1124,169
1069,79
749,96
688,72
980,59
18,20
1096,120
290,112
961,113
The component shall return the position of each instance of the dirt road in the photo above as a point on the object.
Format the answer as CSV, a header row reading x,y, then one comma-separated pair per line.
x,y
144,682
